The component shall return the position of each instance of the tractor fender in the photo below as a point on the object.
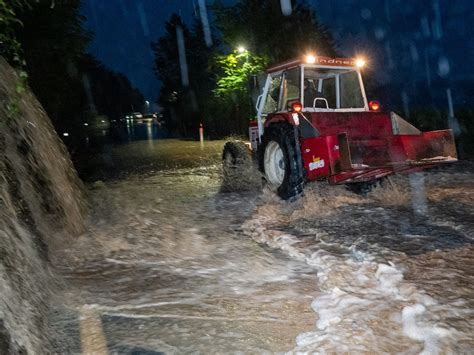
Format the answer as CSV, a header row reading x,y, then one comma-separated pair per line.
x,y
279,117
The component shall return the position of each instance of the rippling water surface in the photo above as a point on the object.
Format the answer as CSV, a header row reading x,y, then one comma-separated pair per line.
x,y
170,264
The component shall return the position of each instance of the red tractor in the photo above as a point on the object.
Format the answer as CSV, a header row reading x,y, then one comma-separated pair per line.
x,y
315,123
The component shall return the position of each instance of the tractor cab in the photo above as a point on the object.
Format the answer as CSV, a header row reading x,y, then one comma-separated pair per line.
x,y
319,84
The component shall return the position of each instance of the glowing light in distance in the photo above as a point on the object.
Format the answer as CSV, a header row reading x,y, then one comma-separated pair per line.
x,y
241,49
65,134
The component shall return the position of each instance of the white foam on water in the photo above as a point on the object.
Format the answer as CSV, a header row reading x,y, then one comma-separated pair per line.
x,y
413,328
363,305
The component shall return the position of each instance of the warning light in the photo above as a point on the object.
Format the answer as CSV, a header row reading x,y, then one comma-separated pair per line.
x,y
296,107
374,105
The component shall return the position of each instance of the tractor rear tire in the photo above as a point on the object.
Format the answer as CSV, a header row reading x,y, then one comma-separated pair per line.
x,y
278,161
238,168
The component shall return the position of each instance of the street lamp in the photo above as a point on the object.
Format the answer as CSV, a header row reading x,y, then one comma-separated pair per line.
x,y
241,49
147,106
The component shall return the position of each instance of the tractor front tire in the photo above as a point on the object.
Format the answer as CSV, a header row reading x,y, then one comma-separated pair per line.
x,y
278,161
238,171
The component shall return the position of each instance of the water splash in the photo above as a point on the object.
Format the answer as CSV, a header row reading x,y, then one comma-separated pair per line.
x,y
367,302
40,208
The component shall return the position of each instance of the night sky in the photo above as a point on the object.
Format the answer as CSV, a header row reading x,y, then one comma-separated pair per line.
x,y
411,43
124,30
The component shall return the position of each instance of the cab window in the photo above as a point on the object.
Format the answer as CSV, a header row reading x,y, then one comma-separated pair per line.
x,y
322,83
290,89
329,91
319,83
271,101
351,94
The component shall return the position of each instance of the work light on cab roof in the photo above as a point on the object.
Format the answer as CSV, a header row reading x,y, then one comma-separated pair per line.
x,y
310,59
360,62
315,122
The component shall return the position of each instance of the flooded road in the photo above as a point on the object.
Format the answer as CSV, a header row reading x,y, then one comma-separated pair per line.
x,y
172,265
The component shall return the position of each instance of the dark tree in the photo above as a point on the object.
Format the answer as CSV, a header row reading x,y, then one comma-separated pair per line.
x,y
269,36
261,27
263,30
111,94
186,106
10,48
53,41
76,90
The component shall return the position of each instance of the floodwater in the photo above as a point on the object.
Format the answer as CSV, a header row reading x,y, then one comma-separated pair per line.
x,y
170,264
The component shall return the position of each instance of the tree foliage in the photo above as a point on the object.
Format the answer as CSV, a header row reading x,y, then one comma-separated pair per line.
x,y
53,40
220,92
108,93
10,48
264,30
235,69
54,43
186,106
233,91
269,37
72,86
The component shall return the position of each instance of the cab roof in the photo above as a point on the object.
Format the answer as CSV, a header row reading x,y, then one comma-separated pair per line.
x,y
322,61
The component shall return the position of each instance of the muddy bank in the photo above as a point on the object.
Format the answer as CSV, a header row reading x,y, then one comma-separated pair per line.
x,y
41,206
